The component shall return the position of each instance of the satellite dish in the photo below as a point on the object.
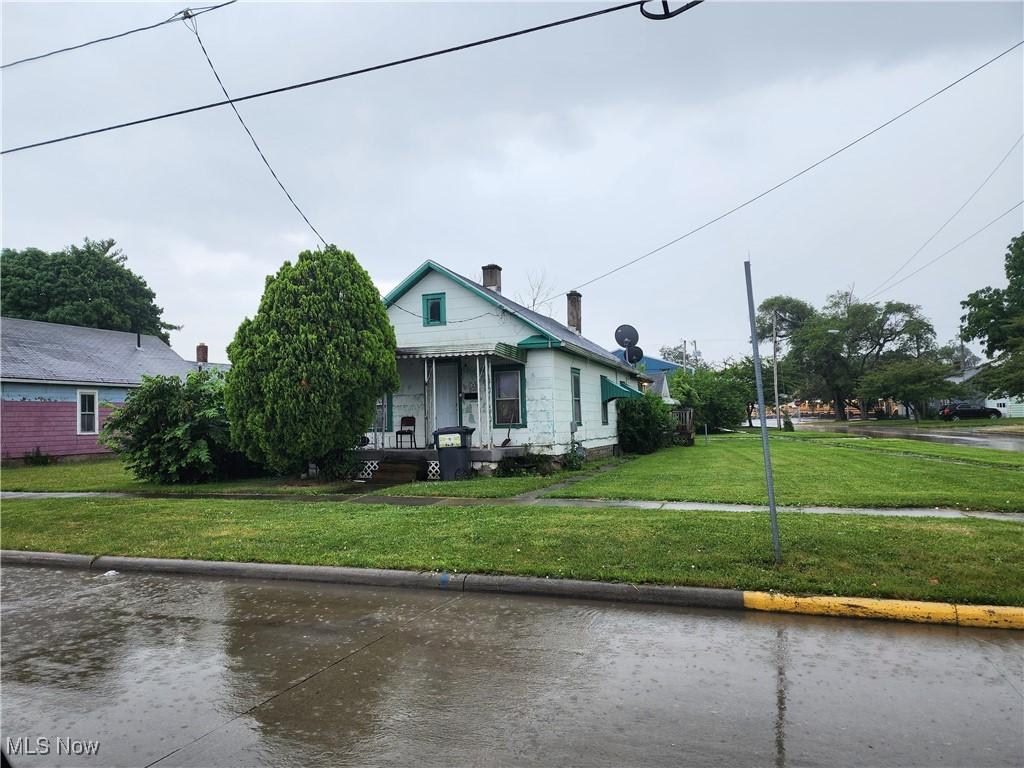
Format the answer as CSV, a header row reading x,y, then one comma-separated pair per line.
x,y
626,336
634,355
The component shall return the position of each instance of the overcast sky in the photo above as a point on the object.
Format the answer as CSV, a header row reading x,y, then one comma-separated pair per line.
x,y
564,152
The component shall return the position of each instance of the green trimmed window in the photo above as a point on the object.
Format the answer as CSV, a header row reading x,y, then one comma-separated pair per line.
x,y
604,403
382,420
434,310
509,383
577,398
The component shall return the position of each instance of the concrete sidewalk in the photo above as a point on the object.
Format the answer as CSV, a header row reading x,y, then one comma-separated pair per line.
x,y
533,498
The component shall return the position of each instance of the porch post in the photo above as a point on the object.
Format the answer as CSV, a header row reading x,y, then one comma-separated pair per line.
x,y
489,375
433,396
479,407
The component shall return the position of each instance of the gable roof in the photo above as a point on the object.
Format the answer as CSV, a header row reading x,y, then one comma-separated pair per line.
x,y
547,327
37,351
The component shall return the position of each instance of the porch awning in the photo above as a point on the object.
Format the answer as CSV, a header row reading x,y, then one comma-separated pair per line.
x,y
468,350
612,391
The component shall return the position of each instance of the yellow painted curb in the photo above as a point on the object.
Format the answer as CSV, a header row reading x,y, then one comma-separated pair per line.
x,y
992,616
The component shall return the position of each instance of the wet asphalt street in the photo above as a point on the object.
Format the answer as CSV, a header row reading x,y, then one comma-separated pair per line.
x,y
183,671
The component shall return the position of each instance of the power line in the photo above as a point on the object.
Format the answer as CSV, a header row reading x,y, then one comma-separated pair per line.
x,y
881,286
795,176
332,78
193,26
182,14
946,253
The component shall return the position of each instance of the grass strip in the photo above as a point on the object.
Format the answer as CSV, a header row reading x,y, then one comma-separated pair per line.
x,y
967,561
813,472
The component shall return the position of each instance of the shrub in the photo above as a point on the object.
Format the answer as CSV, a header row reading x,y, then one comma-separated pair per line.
x,y
718,397
521,466
36,458
645,424
576,456
174,431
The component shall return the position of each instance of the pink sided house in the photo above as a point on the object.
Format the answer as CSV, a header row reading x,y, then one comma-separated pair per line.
x,y
58,383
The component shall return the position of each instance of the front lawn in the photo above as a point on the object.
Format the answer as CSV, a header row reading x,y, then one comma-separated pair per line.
x,y
1006,423
971,561
841,473
110,475
496,487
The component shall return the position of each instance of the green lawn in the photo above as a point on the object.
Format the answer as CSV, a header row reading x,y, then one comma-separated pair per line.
x,y
842,473
494,487
1014,423
110,475
969,561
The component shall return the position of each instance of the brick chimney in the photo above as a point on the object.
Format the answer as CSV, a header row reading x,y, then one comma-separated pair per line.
x,y
492,277
575,311
202,353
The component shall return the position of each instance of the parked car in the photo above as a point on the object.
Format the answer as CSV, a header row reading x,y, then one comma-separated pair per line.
x,y
957,411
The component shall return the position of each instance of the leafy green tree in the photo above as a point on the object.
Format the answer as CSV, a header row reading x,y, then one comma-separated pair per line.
x,y
913,382
174,431
718,397
995,316
308,369
789,315
830,351
88,286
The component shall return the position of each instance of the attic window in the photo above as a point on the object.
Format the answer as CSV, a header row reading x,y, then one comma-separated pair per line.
x,y
434,309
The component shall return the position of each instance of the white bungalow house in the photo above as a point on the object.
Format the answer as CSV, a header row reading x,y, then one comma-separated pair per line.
x,y
470,356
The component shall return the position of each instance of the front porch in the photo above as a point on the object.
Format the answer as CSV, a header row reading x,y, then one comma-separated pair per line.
x,y
450,387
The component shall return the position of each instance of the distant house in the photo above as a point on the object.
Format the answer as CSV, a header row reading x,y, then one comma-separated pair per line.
x,y
59,382
470,356
652,365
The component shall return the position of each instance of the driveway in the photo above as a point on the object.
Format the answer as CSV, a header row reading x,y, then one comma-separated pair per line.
x,y
185,671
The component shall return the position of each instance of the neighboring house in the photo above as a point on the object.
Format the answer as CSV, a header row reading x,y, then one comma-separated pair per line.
x,y
1008,406
658,384
468,355
59,382
652,365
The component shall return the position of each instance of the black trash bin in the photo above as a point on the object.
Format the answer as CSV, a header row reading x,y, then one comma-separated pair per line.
x,y
452,444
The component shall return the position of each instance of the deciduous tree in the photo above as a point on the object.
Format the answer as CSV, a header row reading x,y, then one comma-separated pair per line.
x,y
86,285
995,316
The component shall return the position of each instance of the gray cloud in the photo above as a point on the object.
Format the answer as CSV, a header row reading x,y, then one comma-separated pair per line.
x,y
569,151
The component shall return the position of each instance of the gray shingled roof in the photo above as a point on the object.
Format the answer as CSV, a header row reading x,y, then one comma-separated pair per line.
x,y
67,353
561,332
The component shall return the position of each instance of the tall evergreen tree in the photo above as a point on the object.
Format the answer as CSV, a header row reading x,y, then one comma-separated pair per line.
x,y
308,369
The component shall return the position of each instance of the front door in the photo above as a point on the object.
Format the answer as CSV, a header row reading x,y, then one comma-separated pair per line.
x,y
447,395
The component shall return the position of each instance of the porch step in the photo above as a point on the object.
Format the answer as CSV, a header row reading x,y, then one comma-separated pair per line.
x,y
396,473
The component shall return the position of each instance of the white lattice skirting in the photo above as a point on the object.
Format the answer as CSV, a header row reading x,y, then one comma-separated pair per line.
x,y
433,470
367,470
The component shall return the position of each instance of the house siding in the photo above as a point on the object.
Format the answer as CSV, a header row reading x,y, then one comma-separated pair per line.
x,y
45,416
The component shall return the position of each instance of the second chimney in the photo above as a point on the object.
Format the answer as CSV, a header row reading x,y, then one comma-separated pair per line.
x,y
575,311
202,353
492,277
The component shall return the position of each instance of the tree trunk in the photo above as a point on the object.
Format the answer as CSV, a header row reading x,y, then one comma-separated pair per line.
x,y
750,411
840,407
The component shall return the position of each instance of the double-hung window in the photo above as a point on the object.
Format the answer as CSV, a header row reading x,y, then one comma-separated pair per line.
x,y
88,413
577,399
509,393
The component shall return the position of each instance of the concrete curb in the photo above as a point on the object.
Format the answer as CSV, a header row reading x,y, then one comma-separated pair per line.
x,y
990,616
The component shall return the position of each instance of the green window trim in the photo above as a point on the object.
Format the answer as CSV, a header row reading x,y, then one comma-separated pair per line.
x,y
389,411
427,299
576,393
604,402
522,396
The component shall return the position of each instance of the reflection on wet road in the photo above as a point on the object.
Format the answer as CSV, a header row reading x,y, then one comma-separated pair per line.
x,y
184,671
